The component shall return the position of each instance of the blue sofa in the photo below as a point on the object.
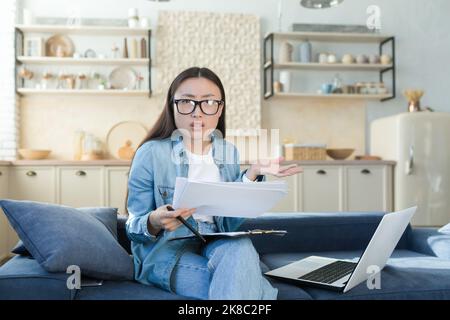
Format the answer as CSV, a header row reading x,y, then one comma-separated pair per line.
x,y
418,269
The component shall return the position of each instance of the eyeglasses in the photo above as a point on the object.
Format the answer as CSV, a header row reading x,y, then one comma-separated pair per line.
x,y
188,106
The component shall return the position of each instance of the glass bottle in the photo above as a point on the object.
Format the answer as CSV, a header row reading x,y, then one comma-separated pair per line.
x,y
88,146
78,144
337,84
305,52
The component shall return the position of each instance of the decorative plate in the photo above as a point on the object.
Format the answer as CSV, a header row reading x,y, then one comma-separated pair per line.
x,y
90,54
121,134
65,44
123,78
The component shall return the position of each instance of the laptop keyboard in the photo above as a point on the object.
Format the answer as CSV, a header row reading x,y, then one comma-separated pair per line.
x,y
330,273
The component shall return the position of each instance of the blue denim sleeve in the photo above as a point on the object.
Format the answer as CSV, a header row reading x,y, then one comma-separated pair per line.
x,y
241,174
141,200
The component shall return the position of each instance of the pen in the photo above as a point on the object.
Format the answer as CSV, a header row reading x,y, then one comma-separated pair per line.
x,y
181,219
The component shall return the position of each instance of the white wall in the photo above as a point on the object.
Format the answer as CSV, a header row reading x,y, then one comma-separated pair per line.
x,y
420,26
9,112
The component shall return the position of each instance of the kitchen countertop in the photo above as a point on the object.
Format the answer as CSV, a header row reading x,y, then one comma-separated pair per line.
x,y
344,162
113,162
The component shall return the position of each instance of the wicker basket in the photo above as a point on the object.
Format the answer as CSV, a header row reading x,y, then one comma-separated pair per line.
x,y
294,152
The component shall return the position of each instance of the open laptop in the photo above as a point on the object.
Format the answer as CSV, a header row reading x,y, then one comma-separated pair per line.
x,y
341,275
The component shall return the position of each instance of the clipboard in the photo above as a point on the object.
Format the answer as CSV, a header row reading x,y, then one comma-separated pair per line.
x,y
236,234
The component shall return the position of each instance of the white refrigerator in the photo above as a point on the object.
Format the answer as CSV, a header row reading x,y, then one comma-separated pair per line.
x,y
420,143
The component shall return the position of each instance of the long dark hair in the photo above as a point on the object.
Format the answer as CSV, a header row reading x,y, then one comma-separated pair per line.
x,y
165,125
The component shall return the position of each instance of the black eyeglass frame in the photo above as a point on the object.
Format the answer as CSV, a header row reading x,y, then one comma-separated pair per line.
x,y
199,104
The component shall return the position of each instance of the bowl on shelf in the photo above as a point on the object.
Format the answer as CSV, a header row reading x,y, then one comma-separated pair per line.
x,y
32,154
340,154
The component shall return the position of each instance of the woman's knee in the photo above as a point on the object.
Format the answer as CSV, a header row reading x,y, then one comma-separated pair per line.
x,y
237,246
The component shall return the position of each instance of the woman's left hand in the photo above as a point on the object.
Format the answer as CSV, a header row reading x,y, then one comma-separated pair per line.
x,y
272,167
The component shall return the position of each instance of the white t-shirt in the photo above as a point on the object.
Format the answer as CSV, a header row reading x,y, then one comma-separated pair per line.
x,y
203,168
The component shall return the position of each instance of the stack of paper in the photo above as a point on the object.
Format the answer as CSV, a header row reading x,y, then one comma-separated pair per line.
x,y
228,199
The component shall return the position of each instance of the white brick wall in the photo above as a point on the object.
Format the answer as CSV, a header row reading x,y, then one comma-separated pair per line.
x,y
9,102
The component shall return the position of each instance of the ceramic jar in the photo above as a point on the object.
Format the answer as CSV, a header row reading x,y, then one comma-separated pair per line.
x,y
386,59
362,59
322,58
332,58
374,59
285,80
348,59
286,50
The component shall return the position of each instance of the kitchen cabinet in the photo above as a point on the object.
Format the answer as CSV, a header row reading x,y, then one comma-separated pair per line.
x,y
116,182
35,183
324,186
321,189
290,202
369,188
75,186
80,186
345,187
5,228
4,179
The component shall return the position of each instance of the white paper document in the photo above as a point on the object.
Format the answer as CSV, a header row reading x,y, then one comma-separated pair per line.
x,y
228,199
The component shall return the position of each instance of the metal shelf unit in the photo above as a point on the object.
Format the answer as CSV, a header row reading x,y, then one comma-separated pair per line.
x,y
269,64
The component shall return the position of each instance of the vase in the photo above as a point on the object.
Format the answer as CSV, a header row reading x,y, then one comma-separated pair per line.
x,y
305,52
285,80
286,50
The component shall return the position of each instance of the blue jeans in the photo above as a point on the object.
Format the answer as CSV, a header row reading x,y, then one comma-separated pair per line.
x,y
223,269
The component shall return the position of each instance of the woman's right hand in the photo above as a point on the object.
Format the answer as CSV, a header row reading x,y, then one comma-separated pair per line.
x,y
163,218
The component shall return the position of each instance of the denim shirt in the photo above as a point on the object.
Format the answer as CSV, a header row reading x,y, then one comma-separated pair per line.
x,y
151,184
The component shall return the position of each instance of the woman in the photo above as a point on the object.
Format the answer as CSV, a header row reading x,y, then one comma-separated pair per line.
x,y
188,141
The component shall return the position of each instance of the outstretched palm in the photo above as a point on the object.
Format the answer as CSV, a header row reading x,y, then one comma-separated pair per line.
x,y
274,168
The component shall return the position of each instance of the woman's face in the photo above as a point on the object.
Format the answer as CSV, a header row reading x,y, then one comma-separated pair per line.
x,y
197,124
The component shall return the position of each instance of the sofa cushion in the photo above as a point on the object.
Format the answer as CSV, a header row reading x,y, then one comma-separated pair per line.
x,y
318,232
125,290
107,216
306,231
430,241
60,236
22,278
445,229
407,275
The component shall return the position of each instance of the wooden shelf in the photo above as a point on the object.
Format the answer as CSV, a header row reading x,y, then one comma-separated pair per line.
x,y
330,36
329,66
332,96
29,92
83,30
77,61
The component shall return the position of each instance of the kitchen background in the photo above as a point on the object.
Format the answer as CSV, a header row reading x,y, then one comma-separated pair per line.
x,y
228,36
420,28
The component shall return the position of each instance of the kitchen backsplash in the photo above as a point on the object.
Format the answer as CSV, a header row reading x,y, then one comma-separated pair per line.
x,y
50,122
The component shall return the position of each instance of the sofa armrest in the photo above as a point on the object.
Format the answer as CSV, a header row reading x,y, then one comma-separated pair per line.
x,y
430,241
316,232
